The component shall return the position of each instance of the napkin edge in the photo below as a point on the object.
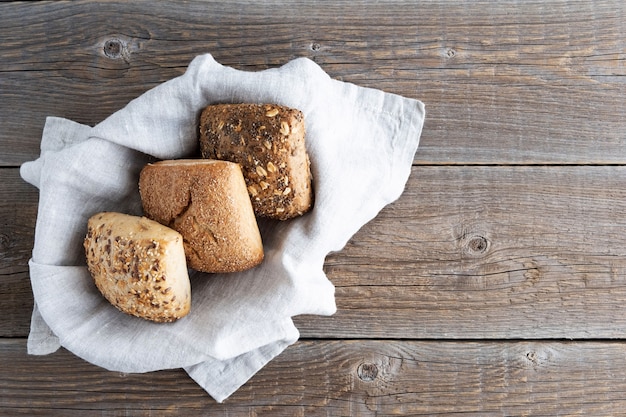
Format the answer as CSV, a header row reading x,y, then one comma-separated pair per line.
x,y
215,376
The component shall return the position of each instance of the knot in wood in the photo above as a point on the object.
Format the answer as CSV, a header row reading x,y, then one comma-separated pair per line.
x,y
113,48
367,372
5,242
477,244
472,242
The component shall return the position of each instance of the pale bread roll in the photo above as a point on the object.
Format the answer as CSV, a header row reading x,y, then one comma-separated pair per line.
x,y
139,266
207,202
268,141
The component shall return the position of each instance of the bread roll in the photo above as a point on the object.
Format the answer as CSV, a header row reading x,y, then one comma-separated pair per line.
x,y
139,266
207,202
268,141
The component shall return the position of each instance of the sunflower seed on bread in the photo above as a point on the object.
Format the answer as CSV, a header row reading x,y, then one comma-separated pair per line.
x,y
139,266
268,141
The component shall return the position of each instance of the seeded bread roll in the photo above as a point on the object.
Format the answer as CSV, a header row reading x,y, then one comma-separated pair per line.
x,y
268,142
207,202
139,266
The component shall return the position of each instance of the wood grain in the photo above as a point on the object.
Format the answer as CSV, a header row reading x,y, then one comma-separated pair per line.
x,y
339,378
493,252
18,211
507,83
494,286
467,252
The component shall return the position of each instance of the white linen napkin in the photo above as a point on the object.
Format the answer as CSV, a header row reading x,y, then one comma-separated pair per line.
x,y
361,142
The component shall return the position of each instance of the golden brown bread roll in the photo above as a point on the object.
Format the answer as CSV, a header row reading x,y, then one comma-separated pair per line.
x,y
268,141
207,202
139,266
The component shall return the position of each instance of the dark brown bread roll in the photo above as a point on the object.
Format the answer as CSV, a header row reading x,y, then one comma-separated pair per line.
x,y
268,141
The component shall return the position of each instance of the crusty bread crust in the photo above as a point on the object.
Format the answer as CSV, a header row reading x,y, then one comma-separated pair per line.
x,y
139,266
206,201
268,141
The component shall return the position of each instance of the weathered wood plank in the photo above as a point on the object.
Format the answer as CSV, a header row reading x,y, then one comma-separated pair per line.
x,y
510,82
340,378
18,211
467,252
488,252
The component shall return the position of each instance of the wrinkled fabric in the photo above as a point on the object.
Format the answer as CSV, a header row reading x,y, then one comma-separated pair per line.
x,y
361,143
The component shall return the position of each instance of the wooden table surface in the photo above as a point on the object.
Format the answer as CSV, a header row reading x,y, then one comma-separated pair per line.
x,y
494,286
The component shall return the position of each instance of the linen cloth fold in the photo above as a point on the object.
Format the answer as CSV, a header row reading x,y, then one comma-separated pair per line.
x,y
361,143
